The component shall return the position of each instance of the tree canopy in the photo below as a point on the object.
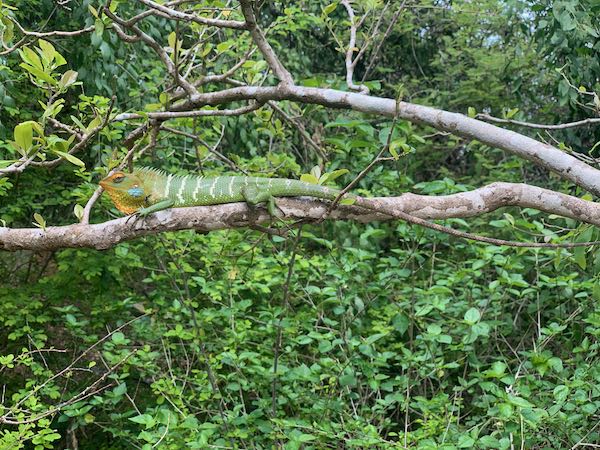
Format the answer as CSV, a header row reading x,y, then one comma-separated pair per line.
x,y
456,305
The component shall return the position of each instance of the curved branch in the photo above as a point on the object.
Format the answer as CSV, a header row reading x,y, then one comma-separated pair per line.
x,y
263,45
21,164
350,63
162,54
544,155
178,15
234,215
56,33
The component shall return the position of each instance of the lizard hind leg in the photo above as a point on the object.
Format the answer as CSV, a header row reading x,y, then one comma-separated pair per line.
x,y
253,197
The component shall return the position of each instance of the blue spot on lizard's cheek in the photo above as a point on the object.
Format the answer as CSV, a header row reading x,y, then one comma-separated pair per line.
x,y
135,192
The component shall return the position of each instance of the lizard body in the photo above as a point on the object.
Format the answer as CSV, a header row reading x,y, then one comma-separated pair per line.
x,y
148,190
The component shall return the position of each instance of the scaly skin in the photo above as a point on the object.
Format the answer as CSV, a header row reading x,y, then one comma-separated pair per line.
x,y
148,190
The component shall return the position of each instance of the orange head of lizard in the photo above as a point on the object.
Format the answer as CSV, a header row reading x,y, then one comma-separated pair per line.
x,y
126,190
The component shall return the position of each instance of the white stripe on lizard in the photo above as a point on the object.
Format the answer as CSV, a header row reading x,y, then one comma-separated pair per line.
x,y
168,186
195,193
213,186
181,188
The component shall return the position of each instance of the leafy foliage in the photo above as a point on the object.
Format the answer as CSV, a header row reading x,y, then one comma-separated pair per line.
x,y
378,336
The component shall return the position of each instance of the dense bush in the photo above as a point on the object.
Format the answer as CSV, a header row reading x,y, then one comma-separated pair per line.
x,y
340,334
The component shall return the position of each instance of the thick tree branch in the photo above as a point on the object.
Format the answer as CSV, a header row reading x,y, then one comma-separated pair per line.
x,y
544,155
234,215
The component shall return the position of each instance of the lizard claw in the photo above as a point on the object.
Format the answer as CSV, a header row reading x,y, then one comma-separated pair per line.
x,y
135,216
273,209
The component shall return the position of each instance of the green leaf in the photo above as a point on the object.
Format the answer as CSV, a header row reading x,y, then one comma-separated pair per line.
x,y
489,442
472,316
330,8
471,112
31,58
560,393
596,291
94,123
68,78
143,419
38,73
6,162
77,122
497,371
172,39
39,221
444,339
309,178
119,338
434,329
305,437
330,176
579,255
519,401
78,211
98,27
120,389
72,159
348,380
23,134
400,322
47,50
93,11
505,410
348,201
316,172
417,138
465,441
222,47
511,113
424,310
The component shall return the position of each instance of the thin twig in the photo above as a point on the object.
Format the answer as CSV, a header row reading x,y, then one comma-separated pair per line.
x,y
350,63
286,305
178,15
158,49
375,53
72,364
168,115
561,126
211,149
263,45
55,33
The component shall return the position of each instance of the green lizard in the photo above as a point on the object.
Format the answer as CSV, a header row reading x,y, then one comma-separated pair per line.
x,y
147,190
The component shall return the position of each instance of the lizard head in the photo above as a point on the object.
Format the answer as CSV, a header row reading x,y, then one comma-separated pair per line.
x,y
126,190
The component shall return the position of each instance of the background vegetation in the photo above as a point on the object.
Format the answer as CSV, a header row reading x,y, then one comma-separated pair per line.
x,y
340,335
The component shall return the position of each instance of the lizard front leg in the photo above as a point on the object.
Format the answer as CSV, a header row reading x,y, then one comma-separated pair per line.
x,y
143,212
164,204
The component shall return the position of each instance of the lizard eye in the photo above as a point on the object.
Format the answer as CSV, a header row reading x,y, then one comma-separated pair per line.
x,y
118,178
